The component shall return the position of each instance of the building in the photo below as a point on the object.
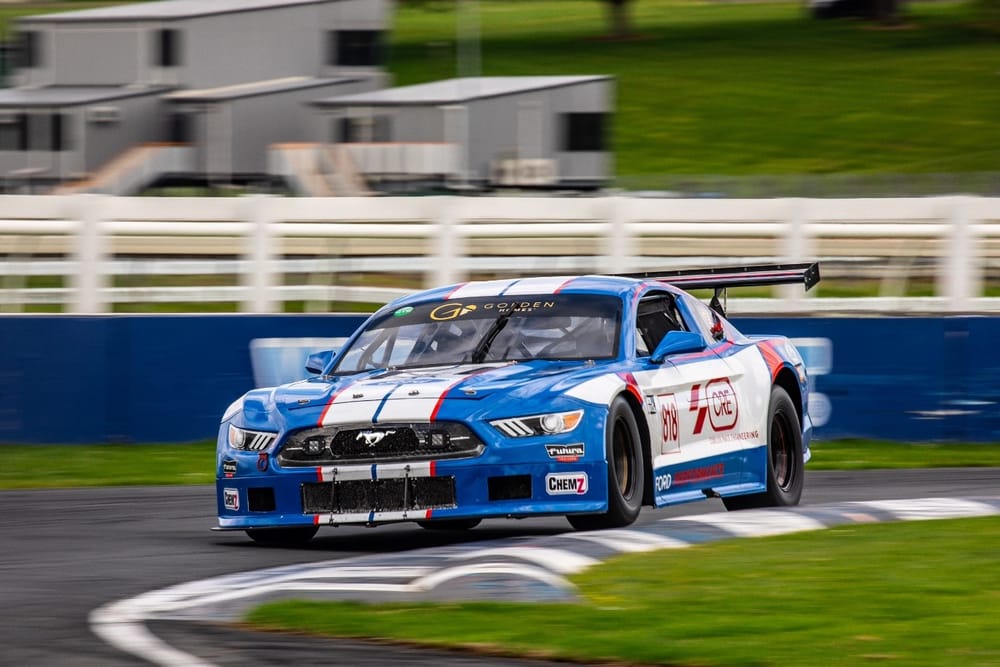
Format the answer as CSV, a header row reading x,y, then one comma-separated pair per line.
x,y
93,84
262,91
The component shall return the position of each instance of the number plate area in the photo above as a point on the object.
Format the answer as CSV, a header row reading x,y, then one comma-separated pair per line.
x,y
378,495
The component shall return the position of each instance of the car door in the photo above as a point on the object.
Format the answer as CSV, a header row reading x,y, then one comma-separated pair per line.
x,y
695,405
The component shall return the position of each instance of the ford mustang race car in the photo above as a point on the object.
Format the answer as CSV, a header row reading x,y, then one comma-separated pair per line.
x,y
585,396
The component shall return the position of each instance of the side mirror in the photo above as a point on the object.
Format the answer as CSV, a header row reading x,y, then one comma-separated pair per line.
x,y
677,342
317,361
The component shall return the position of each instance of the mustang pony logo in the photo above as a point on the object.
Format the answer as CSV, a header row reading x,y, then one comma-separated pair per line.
x,y
372,438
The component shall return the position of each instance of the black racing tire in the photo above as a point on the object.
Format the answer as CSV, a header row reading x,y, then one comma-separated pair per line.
x,y
282,537
626,472
450,524
785,467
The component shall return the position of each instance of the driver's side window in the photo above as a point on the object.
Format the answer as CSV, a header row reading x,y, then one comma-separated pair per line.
x,y
657,314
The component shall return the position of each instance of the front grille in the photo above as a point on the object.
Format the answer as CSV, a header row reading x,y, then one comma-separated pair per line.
x,y
378,495
382,443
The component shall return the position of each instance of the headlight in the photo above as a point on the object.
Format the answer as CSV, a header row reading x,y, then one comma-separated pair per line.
x,y
254,441
550,424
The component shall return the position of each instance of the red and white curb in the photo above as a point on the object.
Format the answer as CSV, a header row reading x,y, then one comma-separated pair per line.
x,y
519,569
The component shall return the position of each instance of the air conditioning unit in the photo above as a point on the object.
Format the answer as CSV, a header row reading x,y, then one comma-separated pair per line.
x,y
104,115
530,171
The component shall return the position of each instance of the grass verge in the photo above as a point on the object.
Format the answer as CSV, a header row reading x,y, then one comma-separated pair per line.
x,y
52,466
55,466
913,593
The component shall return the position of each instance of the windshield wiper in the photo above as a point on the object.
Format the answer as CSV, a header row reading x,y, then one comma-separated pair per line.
x,y
483,347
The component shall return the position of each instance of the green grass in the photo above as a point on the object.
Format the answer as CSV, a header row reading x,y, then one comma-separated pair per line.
x,y
860,454
914,593
54,466
748,88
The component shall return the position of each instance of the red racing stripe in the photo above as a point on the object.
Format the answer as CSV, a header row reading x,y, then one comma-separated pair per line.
x,y
771,358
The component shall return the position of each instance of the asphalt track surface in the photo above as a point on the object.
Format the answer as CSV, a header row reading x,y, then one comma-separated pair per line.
x,y
64,553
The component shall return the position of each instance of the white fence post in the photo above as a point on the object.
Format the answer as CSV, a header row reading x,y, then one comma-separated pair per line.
x,y
960,275
259,279
797,246
618,254
90,254
447,216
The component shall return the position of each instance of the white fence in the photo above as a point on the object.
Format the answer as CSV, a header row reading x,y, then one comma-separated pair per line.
x,y
86,253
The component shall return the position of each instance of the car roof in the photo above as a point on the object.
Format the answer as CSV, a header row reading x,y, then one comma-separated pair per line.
x,y
514,287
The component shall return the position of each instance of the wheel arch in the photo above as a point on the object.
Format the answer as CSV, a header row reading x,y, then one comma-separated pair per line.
x,y
635,405
787,380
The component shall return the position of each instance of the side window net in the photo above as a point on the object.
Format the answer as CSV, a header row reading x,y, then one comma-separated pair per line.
x,y
656,316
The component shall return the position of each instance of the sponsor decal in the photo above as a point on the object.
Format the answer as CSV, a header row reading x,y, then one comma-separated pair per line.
x,y
449,311
519,306
717,401
404,311
229,468
262,462
565,453
566,483
699,474
663,482
231,499
671,432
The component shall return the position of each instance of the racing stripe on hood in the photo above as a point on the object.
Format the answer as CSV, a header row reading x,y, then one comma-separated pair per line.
x,y
415,397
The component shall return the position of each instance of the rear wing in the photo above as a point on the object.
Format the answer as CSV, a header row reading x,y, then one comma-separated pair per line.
x,y
723,277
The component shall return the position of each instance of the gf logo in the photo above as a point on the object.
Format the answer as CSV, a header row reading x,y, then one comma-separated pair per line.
x,y
372,438
449,311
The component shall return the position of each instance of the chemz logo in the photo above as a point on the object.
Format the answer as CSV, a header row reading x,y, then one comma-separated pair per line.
x,y
566,483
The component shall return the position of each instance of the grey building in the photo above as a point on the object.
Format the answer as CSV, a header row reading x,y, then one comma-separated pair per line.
x,y
534,131
91,84
256,91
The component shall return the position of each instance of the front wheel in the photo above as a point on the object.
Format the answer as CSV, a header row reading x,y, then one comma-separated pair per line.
x,y
626,473
785,467
282,537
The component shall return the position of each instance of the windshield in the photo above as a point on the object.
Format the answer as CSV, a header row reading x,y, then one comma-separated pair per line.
x,y
491,329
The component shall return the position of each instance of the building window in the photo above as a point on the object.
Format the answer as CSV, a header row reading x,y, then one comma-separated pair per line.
x,y
584,132
13,132
179,129
167,48
29,49
59,132
376,129
354,48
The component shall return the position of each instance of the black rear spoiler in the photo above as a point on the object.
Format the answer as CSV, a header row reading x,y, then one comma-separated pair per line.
x,y
720,278
735,276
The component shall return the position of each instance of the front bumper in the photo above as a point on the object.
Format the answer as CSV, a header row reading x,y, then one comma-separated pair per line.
x,y
414,491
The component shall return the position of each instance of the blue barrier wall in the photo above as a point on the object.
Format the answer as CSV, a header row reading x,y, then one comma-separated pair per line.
x,y
133,378
169,378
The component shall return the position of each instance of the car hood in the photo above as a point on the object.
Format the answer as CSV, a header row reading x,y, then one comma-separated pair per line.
x,y
417,394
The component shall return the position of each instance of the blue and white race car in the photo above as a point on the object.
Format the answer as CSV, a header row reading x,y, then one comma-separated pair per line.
x,y
586,396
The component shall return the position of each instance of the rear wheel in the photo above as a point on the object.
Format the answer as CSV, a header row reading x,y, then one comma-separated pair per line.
x,y
282,537
449,524
785,468
626,473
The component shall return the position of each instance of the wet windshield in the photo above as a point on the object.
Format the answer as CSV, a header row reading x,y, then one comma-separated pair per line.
x,y
492,329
